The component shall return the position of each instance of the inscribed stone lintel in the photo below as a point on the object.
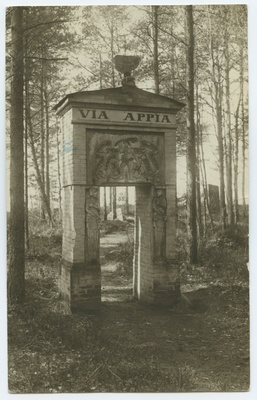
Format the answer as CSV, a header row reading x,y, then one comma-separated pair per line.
x,y
100,115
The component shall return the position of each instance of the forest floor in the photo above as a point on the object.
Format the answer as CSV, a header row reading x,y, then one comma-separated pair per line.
x,y
128,346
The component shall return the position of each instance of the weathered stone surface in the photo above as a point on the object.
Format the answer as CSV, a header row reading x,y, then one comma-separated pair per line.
x,y
159,223
126,64
120,98
126,158
136,146
92,236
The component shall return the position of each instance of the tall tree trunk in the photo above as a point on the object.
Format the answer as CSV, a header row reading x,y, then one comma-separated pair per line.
x,y
100,71
105,205
26,169
218,108
38,172
243,128
114,203
191,154
26,186
198,158
205,183
221,159
47,136
111,204
16,277
218,95
42,136
112,54
155,49
26,77
236,156
58,166
229,186
173,70
127,201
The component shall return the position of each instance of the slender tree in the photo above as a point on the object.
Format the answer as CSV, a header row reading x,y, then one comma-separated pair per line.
x,y
42,134
114,197
37,169
16,277
111,196
243,127
58,166
228,136
127,201
198,167
105,205
236,157
26,180
191,153
155,49
47,139
218,97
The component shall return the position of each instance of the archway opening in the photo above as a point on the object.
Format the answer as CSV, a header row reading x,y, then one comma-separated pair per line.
x,y
117,205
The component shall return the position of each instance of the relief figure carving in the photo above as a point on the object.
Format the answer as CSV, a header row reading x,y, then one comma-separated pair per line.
x,y
92,224
128,159
159,223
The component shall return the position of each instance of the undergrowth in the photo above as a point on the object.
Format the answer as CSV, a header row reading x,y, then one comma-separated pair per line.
x,y
222,257
122,256
51,351
109,227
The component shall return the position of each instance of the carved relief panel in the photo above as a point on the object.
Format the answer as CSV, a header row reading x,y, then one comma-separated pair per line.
x,y
159,223
128,158
92,237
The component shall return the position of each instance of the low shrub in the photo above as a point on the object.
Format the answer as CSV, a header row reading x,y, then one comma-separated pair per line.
x,y
108,227
123,257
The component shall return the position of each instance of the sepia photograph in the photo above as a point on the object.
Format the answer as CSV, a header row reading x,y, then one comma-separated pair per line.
x,y
127,186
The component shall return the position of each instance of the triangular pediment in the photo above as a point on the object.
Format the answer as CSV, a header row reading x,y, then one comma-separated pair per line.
x,y
122,96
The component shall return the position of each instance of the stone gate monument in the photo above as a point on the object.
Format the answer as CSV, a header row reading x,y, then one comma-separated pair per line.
x,y
120,136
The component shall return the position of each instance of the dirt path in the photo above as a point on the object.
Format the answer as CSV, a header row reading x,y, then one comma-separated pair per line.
x,y
212,339
114,286
203,338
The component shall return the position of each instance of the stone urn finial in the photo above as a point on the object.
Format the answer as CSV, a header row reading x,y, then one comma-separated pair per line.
x,y
125,65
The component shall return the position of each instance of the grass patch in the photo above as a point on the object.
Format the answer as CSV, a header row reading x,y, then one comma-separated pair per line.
x,y
109,227
122,256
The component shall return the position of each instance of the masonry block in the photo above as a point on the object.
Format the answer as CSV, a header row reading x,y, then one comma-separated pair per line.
x,y
80,286
121,136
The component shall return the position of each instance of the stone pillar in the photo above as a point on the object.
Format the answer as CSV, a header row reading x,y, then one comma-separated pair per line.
x,y
73,204
165,272
143,271
156,276
80,277
136,248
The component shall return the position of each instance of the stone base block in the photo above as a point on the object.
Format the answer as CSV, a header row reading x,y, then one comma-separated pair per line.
x,y
166,285
167,296
80,286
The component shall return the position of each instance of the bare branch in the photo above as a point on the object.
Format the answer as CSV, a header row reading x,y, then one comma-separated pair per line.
x,y
173,35
47,59
45,23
